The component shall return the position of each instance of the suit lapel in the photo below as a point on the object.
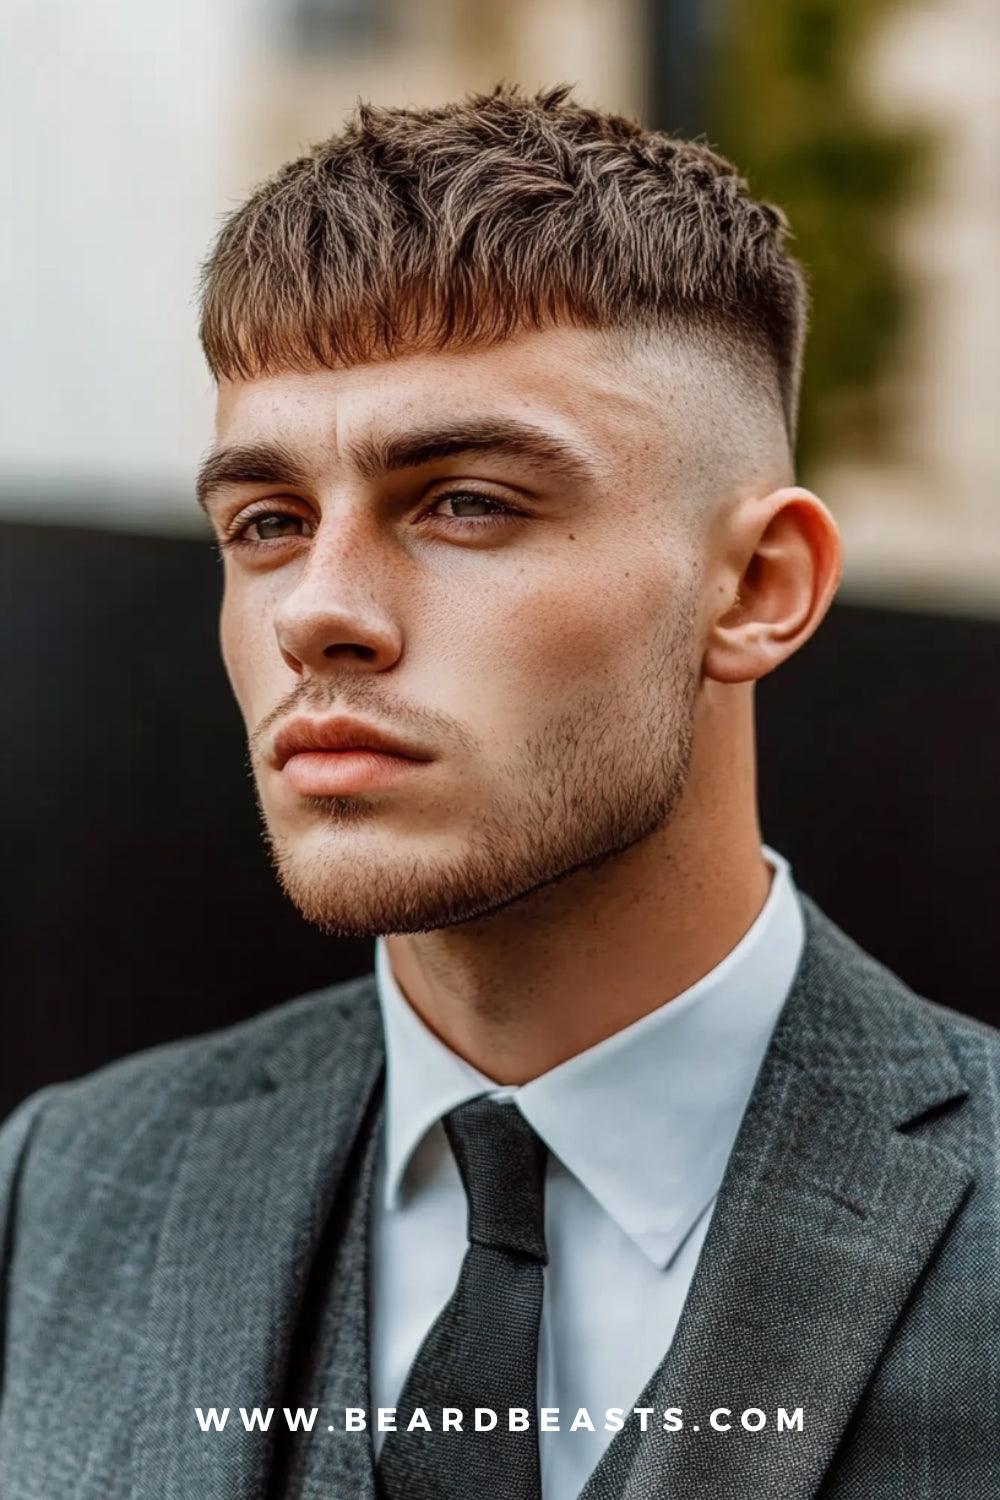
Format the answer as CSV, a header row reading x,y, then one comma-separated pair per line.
x,y
826,1219
253,1190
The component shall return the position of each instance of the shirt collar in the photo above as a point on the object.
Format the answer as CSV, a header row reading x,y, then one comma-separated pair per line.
x,y
646,1119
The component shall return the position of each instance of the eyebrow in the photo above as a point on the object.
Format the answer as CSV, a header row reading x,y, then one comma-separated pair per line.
x,y
247,463
490,437
274,463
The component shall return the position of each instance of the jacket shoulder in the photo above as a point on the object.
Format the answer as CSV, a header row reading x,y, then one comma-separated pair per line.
x,y
202,1070
888,1009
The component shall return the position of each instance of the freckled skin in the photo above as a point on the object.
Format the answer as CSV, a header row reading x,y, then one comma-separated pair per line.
x,y
536,677
560,691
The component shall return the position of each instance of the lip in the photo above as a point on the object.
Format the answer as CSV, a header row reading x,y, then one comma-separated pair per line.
x,y
341,757
303,736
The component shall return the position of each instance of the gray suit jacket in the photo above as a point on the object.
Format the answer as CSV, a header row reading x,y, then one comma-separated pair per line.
x,y
162,1216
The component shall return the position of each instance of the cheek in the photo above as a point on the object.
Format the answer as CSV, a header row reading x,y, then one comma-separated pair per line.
x,y
243,637
534,647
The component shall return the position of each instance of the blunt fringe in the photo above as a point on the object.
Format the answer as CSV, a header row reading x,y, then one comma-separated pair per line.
x,y
424,228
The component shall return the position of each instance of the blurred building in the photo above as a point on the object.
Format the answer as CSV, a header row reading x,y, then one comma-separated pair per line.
x,y
131,129
927,528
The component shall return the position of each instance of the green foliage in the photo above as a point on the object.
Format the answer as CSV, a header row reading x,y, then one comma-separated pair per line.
x,y
789,106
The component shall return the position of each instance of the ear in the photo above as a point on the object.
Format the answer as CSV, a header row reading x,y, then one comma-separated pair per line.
x,y
779,571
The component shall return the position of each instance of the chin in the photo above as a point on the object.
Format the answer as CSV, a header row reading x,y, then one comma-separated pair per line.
x,y
364,884
364,893
370,887
386,901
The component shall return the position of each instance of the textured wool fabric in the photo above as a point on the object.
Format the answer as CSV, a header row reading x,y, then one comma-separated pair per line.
x,y
327,1367
161,1222
482,1351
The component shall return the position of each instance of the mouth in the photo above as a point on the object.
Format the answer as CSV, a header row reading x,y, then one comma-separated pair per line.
x,y
341,757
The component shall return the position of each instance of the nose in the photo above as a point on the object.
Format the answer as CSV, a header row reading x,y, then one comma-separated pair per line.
x,y
337,613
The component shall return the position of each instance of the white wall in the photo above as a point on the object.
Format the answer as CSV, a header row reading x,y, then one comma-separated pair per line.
x,y
128,128
114,118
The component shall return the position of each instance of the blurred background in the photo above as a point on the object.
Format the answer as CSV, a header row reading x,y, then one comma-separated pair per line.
x,y
138,904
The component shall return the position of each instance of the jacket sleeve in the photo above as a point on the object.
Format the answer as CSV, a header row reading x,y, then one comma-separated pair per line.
x,y
16,1133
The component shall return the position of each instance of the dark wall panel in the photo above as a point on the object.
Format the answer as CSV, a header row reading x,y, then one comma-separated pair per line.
x,y
137,900
879,756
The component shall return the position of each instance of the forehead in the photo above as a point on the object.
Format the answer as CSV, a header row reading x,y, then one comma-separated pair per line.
x,y
563,381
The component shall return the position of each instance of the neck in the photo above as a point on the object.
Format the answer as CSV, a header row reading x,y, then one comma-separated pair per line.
x,y
524,989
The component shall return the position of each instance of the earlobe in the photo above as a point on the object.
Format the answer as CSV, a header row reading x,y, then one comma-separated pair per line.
x,y
782,569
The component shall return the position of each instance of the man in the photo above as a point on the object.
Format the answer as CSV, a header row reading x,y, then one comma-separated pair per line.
x,y
626,1174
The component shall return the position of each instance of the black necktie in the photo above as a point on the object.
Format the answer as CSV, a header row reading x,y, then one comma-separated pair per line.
x,y
483,1349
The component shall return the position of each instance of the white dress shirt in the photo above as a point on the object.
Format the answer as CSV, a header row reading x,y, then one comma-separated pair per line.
x,y
639,1130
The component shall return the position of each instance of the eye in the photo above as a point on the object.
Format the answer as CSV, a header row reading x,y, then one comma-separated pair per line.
x,y
264,526
273,526
470,505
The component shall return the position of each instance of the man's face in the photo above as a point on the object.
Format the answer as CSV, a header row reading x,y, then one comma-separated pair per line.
x,y
488,555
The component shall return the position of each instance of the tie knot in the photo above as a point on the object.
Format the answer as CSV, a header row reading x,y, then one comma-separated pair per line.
x,y
502,1164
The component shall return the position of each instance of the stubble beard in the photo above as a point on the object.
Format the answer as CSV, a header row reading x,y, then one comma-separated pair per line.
x,y
602,776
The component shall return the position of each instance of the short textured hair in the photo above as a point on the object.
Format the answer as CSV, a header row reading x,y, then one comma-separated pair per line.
x,y
425,228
